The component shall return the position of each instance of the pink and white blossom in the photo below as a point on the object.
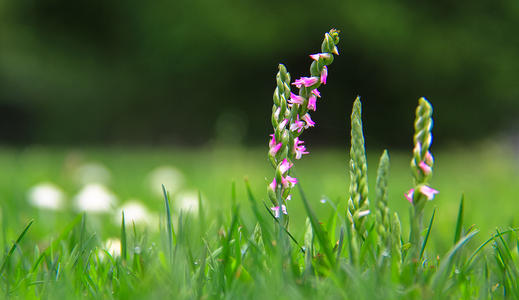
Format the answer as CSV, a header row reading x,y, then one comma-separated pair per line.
x,y
275,209
312,102
273,185
429,158
296,99
308,120
283,123
324,75
426,169
316,93
306,81
285,166
319,55
298,125
409,195
428,192
299,148
274,147
288,181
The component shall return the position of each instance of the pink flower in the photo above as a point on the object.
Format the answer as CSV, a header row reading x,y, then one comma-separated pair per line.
x,y
277,112
428,192
316,93
298,125
285,165
289,197
283,123
273,185
426,169
319,55
409,195
429,158
312,102
274,147
275,209
295,99
417,148
306,81
299,148
288,181
324,75
308,120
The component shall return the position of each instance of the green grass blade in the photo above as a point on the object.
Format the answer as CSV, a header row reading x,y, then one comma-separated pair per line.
x,y
439,278
427,234
15,244
321,236
459,221
169,227
123,238
284,228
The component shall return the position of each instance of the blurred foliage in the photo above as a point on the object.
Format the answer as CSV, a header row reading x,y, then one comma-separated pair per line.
x,y
92,71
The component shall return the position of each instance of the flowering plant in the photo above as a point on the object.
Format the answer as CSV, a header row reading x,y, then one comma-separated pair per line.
x,y
290,117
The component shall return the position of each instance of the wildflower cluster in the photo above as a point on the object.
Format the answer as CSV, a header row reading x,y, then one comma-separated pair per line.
x,y
290,117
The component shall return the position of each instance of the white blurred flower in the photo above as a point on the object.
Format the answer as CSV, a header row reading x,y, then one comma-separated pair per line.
x,y
46,195
187,201
113,246
95,198
92,173
168,176
134,211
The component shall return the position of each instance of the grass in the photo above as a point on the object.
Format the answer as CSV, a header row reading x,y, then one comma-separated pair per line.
x,y
232,248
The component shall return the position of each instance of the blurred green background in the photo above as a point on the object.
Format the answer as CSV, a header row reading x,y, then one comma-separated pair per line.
x,y
194,72
98,83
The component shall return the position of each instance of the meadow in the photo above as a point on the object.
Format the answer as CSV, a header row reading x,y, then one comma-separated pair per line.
x,y
214,223
486,175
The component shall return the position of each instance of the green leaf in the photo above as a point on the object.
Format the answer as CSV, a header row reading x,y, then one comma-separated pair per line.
x,y
459,221
318,230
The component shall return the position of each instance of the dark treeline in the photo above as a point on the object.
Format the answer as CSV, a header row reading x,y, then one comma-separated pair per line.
x,y
195,71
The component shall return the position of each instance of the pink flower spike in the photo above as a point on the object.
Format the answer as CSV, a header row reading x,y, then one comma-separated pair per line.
x,y
409,195
319,55
312,102
295,99
316,93
306,81
285,165
428,192
324,75
308,120
426,169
